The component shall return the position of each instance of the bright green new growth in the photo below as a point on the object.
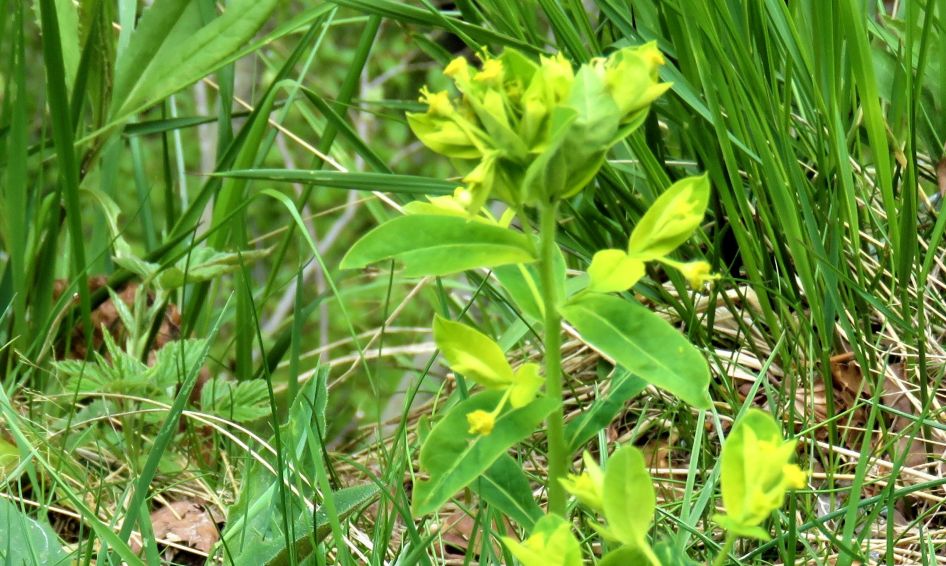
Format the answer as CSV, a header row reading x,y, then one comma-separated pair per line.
x,y
532,134
551,544
670,221
479,358
756,474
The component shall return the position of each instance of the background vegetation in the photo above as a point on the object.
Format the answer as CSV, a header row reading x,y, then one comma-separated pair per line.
x,y
188,175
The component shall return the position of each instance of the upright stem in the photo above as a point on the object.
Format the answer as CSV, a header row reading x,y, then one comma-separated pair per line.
x,y
723,555
557,465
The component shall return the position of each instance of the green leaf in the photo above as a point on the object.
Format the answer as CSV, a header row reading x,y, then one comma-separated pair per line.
x,y
741,529
505,487
527,383
524,285
627,555
201,264
257,537
643,343
453,457
614,271
241,402
205,264
629,498
69,36
9,459
669,555
439,245
166,54
734,483
25,541
600,414
755,473
550,544
472,353
389,183
671,220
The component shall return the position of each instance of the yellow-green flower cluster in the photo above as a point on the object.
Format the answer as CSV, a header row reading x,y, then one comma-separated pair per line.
x,y
527,132
670,221
481,360
756,474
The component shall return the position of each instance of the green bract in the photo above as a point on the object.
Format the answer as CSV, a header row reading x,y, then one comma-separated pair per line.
x,y
756,473
624,494
669,222
551,544
479,358
529,133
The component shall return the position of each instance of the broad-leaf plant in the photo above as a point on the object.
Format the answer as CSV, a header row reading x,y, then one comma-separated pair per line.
x,y
530,135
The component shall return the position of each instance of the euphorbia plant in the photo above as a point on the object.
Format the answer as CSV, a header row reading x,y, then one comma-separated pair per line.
x,y
530,135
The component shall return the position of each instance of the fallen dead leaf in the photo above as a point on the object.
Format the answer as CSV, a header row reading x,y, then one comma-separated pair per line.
x,y
184,522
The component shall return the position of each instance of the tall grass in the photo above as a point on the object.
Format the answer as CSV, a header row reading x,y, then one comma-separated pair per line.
x,y
136,139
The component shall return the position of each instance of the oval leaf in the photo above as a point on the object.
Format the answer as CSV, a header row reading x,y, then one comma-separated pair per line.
x,y
629,497
524,286
506,487
439,245
24,540
550,544
472,353
643,343
672,219
613,271
453,457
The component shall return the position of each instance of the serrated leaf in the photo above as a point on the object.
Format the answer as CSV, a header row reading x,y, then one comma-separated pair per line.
x,y
642,342
241,402
173,361
166,54
452,457
255,534
439,245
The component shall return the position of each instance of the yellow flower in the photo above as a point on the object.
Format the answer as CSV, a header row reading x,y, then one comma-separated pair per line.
x,y
457,67
481,422
587,487
697,273
795,478
438,103
492,72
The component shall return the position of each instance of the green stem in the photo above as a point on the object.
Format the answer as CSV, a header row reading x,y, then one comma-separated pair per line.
x,y
557,465
724,552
